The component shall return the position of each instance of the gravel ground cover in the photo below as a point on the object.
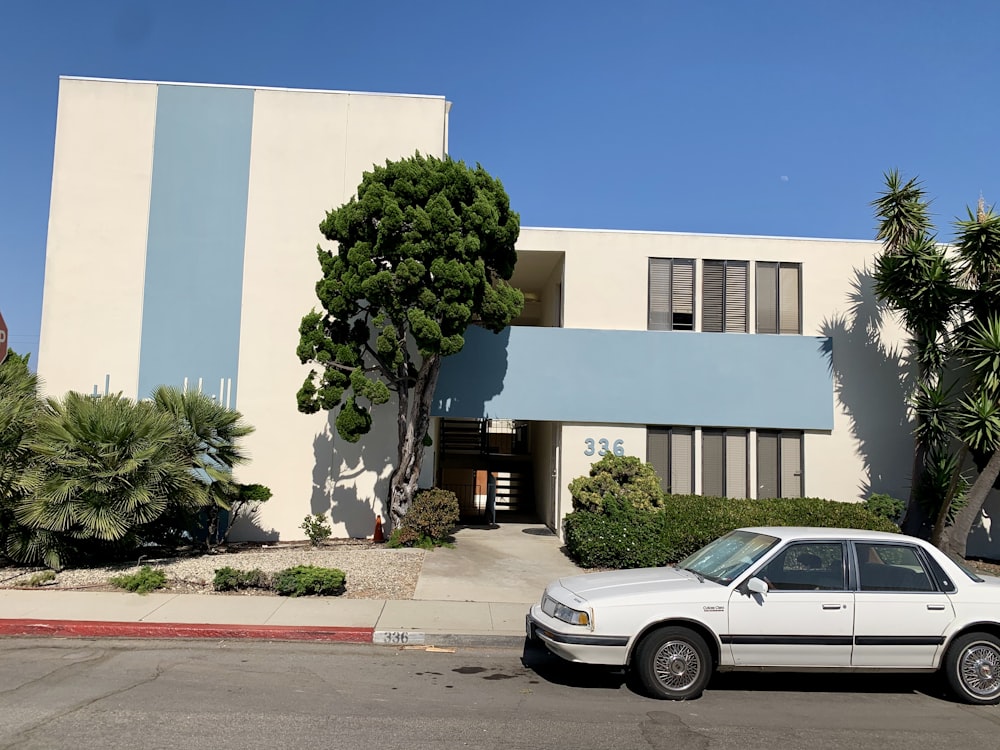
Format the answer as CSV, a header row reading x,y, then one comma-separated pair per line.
x,y
373,571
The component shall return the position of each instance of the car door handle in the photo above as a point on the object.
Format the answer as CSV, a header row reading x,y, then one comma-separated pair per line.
x,y
833,606
935,606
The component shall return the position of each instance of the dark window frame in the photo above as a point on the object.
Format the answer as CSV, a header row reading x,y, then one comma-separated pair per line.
x,y
670,264
800,435
777,266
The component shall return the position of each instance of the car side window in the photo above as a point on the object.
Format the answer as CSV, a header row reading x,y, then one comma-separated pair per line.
x,y
808,566
891,567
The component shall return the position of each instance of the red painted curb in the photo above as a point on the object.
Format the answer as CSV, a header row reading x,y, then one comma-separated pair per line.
x,y
91,629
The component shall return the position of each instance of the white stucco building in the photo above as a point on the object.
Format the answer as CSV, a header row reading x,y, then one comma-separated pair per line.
x,y
181,249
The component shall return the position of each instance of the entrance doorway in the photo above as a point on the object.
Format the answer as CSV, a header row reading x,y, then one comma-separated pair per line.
x,y
488,464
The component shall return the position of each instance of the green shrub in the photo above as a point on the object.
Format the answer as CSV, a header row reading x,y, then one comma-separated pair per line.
x,y
309,580
622,478
231,579
40,579
316,528
404,537
433,515
142,581
885,506
623,536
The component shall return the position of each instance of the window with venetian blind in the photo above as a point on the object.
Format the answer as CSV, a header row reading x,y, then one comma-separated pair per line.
x,y
670,450
671,294
779,297
724,296
724,463
779,463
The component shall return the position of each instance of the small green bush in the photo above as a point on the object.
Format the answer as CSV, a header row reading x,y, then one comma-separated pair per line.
x,y
885,506
623,536
433,515
231,579
626,479
40,579
309,580
317,528
143,581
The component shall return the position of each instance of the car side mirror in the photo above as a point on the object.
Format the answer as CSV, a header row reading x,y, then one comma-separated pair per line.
x,y
756,586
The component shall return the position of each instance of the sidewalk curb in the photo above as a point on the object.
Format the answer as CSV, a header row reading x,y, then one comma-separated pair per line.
x,y
92,629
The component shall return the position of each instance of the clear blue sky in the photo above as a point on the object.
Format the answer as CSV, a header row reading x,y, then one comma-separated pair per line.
x,y
728,116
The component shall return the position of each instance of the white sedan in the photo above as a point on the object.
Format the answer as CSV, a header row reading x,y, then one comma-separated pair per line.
x,y
784,599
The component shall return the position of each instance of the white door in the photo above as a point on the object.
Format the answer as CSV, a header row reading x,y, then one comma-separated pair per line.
x,y
806,619
900,615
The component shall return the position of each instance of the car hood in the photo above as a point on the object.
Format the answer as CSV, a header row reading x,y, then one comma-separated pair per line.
x,y
641,584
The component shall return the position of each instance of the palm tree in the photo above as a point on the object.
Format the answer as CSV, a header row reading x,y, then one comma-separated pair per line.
x,y
19,410
116,474
212,436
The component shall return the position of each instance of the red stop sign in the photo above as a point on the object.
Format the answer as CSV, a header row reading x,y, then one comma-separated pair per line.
x,y
3,339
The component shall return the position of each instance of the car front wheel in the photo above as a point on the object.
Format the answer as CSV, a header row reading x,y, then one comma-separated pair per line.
x,y
972,666
673,663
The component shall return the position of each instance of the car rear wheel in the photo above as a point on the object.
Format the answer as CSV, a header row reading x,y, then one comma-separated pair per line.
x,y
673,663
972,666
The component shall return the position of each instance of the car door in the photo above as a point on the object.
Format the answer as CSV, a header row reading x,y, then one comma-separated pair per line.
x,y
901,614
806,617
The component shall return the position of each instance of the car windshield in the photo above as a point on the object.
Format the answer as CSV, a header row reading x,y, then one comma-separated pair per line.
x,y
728,556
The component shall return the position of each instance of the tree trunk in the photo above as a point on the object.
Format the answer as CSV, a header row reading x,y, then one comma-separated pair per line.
x,y
917,520
412,422
956,537
942,518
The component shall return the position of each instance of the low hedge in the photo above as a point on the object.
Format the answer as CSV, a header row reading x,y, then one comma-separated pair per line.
x,y
622,536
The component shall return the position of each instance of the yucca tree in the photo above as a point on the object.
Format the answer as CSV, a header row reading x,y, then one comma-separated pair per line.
x,y
19,410
115,472
212,435
915,277
977,246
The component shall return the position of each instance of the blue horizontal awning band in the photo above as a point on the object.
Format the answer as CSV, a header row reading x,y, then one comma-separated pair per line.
x,y
640,377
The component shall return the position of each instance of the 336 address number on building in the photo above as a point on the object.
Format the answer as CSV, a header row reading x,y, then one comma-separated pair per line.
x,y
603,446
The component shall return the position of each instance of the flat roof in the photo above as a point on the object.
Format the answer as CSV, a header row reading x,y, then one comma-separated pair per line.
x,y
254,88
699,234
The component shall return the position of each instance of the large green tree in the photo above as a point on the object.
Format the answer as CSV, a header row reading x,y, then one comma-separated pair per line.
x,y
915,277
425,250
949,301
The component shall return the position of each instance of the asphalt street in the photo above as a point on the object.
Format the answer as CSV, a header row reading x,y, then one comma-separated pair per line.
x,y
70,694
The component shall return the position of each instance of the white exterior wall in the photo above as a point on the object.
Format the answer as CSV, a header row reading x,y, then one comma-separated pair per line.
x,y
95,258
606,287
574,461
308,152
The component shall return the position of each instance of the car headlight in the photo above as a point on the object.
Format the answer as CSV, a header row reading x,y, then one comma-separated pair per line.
x,y
567,614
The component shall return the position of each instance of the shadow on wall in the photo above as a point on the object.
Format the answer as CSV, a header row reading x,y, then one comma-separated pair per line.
x,y
340,466
474,377
873,383
249,529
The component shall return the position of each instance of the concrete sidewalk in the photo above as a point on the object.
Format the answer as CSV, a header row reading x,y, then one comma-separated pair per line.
x,y
474,594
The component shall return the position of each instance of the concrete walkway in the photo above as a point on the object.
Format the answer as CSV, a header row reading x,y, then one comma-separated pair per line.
x,y
474,594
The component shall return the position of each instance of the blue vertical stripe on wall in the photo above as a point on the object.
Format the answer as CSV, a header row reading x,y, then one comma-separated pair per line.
x,y
194,250
640,377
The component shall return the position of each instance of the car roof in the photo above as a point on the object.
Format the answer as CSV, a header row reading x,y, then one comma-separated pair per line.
x,y
821,532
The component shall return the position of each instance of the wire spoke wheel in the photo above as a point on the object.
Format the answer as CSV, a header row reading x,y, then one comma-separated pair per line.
x,y
678,665
674,663
972,666
979,669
